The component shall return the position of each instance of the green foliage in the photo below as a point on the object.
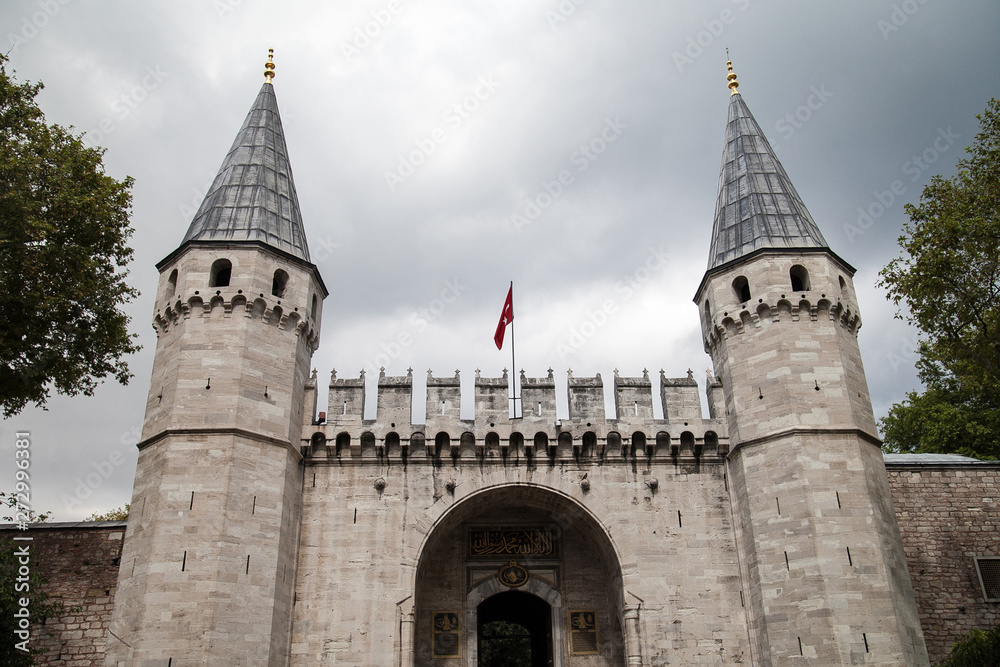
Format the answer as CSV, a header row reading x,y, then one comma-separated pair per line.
x,y
64,227
117,514
948,281
505,644
977,649
10,501
942,420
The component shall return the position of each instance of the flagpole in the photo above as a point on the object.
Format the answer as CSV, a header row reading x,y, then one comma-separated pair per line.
x,y
513,366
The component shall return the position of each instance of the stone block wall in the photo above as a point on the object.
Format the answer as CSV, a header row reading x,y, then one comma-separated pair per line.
x,y
824,584
382,538
80,561
209,562
948,514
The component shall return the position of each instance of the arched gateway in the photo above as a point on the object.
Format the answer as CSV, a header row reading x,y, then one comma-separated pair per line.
x,y
518,575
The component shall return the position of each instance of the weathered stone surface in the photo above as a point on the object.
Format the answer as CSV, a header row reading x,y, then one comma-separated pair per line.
x,y
948,514
263,533
80,563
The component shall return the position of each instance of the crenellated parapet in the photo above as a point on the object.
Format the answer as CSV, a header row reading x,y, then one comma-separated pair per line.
x,y
492,398
536,435
235,304
585,398
746,319
633,397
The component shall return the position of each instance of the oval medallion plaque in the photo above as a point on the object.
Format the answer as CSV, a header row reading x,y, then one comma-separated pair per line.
x,y
512,575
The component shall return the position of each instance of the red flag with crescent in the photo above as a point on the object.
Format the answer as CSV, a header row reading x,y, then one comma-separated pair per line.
x,y
506,317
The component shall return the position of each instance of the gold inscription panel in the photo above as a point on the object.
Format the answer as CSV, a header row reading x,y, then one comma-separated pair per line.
x,y
506,542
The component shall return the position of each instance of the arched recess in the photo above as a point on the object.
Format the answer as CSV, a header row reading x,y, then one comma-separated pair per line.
x,y
317,444
492,444
367,444
467,446
798,276
221,273
392,444
279,282
343,444
172,285
460,566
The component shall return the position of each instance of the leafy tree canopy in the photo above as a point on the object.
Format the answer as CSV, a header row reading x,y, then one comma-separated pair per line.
x,y
64,227
117,514
13,508
979,648
948,283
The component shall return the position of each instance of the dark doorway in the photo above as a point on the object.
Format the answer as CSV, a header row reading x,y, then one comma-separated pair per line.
x,y
515,630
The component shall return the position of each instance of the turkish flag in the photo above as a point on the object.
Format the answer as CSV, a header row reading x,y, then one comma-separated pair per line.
x,y
506,317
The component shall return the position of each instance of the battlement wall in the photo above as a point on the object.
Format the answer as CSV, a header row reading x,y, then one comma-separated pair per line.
x,y
343,433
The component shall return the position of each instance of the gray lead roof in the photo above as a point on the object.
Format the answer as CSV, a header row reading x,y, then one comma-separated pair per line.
x,y
757,206
253,196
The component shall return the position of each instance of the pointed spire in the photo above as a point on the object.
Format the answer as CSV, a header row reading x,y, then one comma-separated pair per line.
x,y
253,196
757,205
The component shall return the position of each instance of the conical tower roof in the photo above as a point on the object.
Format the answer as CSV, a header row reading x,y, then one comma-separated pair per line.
x,y
253,196
757,205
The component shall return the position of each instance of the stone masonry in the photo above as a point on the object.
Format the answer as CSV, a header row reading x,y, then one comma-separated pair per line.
x,y
639,504
80,563
949,513
265,532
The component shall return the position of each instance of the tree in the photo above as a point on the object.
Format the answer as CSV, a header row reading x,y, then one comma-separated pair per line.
x,y
64,227
13,509
948,279
977,649
117,514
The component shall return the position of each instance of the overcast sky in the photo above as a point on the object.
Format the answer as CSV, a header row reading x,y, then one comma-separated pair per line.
x,y
419,129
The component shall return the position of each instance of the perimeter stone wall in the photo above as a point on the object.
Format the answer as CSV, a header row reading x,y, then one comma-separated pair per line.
x,y
80,561
948,514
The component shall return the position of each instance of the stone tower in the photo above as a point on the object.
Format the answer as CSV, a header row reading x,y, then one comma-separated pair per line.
x,y
823,569
208,568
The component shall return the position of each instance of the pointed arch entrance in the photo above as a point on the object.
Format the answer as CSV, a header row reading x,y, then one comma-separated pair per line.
x,y
518,567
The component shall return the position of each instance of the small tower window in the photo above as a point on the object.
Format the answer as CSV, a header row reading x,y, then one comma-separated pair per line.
x,y
742,288
800,278
172,283
315,305
222,271
843,283
278,283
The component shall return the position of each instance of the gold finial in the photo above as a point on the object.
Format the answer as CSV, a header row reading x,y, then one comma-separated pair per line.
x,y
733,83
269,66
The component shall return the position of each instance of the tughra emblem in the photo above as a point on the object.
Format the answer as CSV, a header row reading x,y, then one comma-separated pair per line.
x,y
512,575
